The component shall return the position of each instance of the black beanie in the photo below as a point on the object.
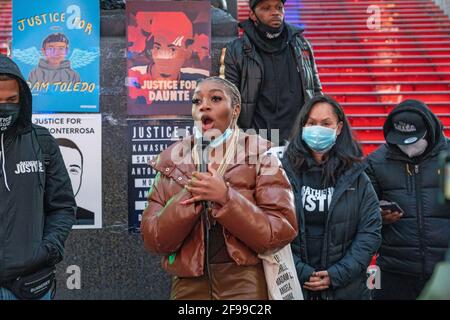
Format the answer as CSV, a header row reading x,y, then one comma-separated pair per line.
x,y
252,3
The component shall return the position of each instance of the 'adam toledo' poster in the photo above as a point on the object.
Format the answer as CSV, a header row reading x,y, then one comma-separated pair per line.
x,y
80,141
56,45
168,51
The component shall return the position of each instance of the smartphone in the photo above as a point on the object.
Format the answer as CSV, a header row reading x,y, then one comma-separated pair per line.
x,y
444,171
393,206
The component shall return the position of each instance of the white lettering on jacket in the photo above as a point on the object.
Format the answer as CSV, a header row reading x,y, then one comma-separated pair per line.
x,y
29,167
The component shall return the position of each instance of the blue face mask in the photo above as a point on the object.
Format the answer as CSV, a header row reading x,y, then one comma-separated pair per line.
x,y
217,141
318,138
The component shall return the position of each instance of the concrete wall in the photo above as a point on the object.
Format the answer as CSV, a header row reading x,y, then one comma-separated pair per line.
x,y
113,262
445,6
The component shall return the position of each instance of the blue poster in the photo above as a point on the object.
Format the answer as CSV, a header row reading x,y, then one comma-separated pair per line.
x,y
56,44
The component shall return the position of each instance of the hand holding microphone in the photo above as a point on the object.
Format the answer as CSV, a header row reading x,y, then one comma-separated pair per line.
x,y
208,186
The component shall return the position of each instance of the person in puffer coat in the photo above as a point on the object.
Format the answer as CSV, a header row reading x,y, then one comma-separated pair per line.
x,y
213,254
337,207
274,68
405,170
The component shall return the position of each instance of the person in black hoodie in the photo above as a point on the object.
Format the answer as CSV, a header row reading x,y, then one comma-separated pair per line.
x,y
37,206
337,208
406,170
274,69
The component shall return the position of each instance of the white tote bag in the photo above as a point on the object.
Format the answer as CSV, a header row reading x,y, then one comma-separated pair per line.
x,y
281,275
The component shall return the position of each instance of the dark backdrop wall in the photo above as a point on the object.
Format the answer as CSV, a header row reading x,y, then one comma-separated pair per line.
x,y
113,262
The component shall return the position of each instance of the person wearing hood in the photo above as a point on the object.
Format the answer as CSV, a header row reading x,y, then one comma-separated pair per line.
x,y
37,207
337,208
406,170
273,67
210,226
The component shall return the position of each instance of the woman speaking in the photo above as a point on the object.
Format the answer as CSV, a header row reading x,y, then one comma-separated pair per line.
x,y
215,206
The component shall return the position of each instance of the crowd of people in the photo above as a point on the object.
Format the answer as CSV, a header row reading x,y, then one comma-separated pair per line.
x,y
220,199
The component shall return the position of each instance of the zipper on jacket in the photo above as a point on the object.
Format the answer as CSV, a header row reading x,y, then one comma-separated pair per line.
x,y
419,214
300,67
277,89
252,54
409,179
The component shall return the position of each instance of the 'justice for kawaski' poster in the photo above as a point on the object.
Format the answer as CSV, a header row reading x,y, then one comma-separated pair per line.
x,y
168,51
147,139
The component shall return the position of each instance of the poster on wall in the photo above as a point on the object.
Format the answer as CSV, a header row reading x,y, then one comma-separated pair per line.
x,y
79,137
168,52
56,44
147,139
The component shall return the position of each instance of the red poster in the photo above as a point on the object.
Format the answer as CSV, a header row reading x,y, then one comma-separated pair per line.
x,y
168,52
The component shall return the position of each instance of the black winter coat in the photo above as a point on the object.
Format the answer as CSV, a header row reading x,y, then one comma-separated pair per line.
x,y
38,210
352,234
414,244
242,65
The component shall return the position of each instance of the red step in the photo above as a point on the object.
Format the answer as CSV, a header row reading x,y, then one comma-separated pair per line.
x,y
405,67
369,147
385,76
386,107
380,46
390,21
396,97
376,33
376,53
371,71
378,120
383,59
383,26
376,134
5,25
385,86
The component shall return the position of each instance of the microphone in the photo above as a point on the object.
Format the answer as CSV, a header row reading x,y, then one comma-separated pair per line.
x,y
203,153
203,149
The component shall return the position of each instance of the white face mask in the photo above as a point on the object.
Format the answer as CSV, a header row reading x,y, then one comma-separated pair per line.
x,y
415,149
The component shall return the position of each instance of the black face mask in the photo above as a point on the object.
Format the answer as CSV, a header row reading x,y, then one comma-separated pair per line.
x,y
267,31
9,113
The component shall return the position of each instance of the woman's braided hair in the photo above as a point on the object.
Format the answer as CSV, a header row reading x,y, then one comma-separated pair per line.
x,y
230,88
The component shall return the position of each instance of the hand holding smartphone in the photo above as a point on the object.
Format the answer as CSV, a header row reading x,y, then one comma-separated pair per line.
x,y
391,206
390,212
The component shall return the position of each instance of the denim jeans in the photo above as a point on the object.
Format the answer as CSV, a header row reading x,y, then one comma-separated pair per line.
x,y
5,294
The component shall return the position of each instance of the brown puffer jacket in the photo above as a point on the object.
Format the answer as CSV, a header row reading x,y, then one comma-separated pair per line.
x,y
259,216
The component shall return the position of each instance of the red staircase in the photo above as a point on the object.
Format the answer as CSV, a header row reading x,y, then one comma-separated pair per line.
x,y
370,71
5,25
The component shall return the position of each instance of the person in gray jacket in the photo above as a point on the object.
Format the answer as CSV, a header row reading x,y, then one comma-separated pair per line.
x,y
54,67
37,207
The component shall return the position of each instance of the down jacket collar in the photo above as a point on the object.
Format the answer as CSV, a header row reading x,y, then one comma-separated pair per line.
x,y
176,161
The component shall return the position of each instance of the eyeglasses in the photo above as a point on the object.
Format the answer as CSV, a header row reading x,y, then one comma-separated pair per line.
x,y
55,50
